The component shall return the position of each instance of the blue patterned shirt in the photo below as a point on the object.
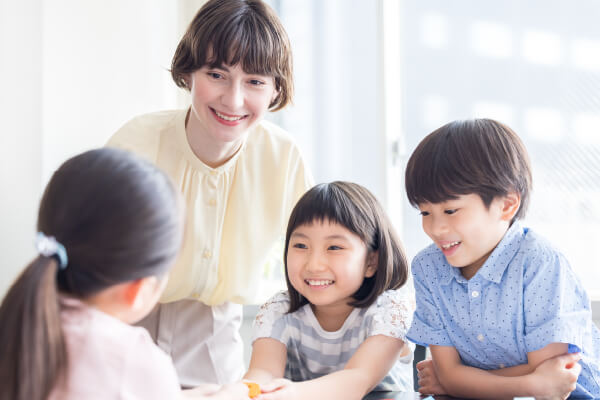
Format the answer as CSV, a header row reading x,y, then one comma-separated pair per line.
x,y
524,297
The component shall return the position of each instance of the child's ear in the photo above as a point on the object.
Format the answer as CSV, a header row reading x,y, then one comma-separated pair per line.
x,y
510,205
136,292
372,262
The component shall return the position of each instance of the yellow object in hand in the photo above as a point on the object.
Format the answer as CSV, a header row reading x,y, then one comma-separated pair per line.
x,y
253,389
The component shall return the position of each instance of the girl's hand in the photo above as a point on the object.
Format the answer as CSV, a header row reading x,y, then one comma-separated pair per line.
x,y
556,377
428,380
279,389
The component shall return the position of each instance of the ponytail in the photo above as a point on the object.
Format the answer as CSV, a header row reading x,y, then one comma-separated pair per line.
x,y
33,354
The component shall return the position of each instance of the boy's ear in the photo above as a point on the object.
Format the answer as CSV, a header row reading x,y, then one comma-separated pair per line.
x,y
372,262
510,205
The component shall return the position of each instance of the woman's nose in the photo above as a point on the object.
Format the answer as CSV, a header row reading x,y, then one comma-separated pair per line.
x,y
233,97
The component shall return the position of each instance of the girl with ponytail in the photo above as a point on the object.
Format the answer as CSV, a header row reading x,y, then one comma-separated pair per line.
x,y
110,227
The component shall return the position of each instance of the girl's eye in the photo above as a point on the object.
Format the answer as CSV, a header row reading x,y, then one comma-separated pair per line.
x,y
424,213
299,246
334,248
450,212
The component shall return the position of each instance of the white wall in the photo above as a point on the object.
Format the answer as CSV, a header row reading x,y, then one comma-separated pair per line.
x,y
20,137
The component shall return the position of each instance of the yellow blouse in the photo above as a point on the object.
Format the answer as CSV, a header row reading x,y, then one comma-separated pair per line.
x,y
235,213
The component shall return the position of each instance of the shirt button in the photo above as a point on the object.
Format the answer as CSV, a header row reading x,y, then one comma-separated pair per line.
x,y
480,337
212,202
501,366
206,254
475,293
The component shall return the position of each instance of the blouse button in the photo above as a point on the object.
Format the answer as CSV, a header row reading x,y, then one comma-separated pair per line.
x,y
206,254
475,293
212,202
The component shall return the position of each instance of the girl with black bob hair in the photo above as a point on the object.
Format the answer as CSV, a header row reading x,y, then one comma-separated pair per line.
x,y
339,330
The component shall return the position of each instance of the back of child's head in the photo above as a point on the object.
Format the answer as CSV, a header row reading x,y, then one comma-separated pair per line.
x,y
118,219
479,156
355,208
231,32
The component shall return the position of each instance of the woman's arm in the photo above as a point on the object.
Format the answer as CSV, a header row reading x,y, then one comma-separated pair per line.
x,y
267,361
552,378
368,366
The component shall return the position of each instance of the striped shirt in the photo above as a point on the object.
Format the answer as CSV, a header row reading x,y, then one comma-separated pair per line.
x,y
313,352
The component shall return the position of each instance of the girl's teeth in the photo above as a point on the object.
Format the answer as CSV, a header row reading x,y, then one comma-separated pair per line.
x,y
226,118
319,283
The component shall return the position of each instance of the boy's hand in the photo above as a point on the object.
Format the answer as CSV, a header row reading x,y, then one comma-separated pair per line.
x,y
556,377
428,380
278,389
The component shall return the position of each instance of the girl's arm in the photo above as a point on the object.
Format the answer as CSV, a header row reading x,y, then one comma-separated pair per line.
x,y
267,361
553,378
368,366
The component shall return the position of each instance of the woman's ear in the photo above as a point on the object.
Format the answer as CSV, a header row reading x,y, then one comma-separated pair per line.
x,y
372,262
510,205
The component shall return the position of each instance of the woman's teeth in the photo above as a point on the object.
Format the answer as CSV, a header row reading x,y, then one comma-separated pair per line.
x,y
226,118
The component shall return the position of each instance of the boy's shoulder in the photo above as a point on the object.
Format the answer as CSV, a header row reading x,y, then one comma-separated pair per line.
x,y
430,257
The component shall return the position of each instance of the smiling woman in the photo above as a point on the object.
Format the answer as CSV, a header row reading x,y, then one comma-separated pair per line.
x,y
235,61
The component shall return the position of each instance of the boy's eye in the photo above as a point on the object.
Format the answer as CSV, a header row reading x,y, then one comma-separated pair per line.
x,y
424,213
299,246
450,212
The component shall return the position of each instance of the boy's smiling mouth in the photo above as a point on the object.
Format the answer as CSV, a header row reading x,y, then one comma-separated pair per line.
x,y
449,245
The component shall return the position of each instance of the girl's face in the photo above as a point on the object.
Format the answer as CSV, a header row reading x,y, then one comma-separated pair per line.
x,y
327,264
227,102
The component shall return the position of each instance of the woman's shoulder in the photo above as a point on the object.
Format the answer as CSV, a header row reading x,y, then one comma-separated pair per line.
x,y
267,135
140,130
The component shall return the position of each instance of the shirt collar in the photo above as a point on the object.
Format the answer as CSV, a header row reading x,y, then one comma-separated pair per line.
x,y
494,267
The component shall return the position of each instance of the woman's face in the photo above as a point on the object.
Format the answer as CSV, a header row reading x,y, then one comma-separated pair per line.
x,y
227,102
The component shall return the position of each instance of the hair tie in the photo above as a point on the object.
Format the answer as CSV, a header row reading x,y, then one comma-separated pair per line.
x,y
49,247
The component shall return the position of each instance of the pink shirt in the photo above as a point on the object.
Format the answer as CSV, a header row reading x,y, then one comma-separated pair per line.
x,y
111,360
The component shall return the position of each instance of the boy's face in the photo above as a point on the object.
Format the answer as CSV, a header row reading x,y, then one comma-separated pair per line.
x,y
466,230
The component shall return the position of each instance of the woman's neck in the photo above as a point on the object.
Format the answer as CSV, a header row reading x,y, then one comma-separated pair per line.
x,y
210,152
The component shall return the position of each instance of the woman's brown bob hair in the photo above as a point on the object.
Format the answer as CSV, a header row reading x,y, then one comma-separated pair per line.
x,y
355,208
480,156
229,32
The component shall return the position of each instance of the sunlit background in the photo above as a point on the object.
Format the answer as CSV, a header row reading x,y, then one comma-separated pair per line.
x,y
373,77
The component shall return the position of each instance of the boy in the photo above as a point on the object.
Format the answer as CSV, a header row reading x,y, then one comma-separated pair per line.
x,y
502,311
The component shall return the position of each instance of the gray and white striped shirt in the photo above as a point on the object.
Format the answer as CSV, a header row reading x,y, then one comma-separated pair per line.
x,y
313,352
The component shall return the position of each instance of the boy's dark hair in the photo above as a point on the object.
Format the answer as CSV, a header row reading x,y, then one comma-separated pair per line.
x,y
355,208
479,156
228,32
119,219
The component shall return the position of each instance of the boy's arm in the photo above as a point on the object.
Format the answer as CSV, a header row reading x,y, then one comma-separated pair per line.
x,y
267,361
534,359
552,379
368,366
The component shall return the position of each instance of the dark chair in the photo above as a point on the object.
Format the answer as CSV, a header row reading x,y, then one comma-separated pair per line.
x,y
418,355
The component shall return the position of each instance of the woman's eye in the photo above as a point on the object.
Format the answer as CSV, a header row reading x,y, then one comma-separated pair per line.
x,y
450,212
299,246
424,213
215,75
256,82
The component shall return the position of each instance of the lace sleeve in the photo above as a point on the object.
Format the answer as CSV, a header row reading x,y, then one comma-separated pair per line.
x,y
269,314
392,315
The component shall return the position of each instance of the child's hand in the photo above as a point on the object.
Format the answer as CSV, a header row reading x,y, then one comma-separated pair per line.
x,y
557,377
428,380
278,389
233,391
